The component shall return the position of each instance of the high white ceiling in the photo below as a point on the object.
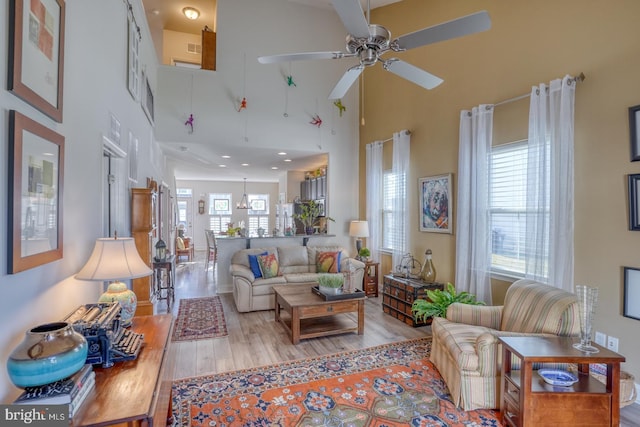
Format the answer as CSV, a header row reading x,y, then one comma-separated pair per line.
x,y
202,161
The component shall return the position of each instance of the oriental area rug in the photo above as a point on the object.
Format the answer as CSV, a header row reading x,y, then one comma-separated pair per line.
x,y
199,318
385,386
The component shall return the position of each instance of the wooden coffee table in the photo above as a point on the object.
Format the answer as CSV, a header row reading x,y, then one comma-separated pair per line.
x,y
307,315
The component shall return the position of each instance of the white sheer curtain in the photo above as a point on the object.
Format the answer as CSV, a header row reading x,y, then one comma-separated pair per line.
x,y
400,168
374,196
550,182
473,237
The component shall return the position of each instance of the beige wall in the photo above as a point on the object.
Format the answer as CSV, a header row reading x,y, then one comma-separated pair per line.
x,y
174,47
529,43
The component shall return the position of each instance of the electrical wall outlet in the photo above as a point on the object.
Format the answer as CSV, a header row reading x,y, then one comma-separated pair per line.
x,y
601,339
612,343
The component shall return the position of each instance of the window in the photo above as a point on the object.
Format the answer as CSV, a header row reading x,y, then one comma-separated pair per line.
x,y
509,212
258,213
394,186
219,211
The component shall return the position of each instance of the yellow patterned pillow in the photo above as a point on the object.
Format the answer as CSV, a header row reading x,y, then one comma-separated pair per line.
x,y
328,262
268,265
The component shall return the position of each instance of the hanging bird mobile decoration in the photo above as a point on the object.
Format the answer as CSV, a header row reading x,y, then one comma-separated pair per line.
x,y
316,120
341,108
243,104
189,124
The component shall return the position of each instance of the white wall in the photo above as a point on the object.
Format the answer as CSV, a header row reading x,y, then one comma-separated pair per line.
x,y
94,86
248,29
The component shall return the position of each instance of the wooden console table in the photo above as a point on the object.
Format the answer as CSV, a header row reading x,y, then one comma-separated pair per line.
x,y
529,401
135,392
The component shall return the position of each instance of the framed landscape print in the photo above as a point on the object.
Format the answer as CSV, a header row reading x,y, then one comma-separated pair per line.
x,y
36,53
435,203
36,165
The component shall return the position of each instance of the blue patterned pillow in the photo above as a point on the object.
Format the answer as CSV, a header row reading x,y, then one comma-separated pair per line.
x,y
255,267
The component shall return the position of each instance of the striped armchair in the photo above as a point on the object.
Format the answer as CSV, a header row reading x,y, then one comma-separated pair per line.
x,y
466,349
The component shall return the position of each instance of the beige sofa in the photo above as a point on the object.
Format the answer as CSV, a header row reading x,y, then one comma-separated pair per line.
x,y
466,349
296,265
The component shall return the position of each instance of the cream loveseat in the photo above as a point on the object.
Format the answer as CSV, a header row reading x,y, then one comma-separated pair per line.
x,y
296,265
465,346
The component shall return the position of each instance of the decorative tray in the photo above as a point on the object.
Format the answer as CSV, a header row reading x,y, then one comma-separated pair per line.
x,y
557,377
357,293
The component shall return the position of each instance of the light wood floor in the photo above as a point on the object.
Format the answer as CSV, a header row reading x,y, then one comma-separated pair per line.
x,y
255,339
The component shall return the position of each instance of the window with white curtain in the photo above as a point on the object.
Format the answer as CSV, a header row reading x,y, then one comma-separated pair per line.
x,y
219,211
393,187
508,209
258,213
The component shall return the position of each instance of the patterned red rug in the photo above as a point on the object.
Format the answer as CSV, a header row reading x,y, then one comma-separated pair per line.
x,y
386,386
199,318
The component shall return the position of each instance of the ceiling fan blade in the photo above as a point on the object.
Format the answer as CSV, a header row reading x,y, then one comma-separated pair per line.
x,y
286,57
345,82
352,17
412,73
463,26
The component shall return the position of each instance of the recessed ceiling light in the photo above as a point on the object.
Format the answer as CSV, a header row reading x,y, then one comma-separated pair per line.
x,y
222,166
287,160
245,164
191,13
282,153
226,157
274,167
155,12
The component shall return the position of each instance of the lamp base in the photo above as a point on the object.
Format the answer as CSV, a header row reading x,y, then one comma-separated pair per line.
x,y
118,291
358,247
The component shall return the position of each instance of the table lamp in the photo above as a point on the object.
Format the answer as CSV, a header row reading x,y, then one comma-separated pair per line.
x,y
116,259
359,229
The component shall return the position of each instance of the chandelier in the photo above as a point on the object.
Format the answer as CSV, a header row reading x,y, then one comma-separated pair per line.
x,y
243,204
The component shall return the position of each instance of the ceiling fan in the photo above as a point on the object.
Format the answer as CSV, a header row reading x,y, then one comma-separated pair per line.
x,y
368,42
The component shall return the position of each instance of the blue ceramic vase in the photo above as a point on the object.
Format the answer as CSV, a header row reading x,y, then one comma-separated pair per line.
x,y
48,353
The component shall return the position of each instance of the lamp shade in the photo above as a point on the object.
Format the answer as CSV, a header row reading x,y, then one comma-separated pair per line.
x,y
114,259
359,229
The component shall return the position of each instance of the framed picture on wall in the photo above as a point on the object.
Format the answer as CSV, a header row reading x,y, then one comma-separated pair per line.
x,y
146,101
36,166
634,202
435,203
634,132
36,53
631,305
133,59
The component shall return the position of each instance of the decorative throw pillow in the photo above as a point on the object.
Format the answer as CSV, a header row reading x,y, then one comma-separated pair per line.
x,y
180,243
268,265
253,264
328,262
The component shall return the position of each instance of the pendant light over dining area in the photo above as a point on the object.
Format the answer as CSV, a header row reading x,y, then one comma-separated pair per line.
x,y
243,204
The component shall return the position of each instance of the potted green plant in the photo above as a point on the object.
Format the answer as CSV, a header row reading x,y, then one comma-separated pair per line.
x,y
438,301
364,254
309,214
330,283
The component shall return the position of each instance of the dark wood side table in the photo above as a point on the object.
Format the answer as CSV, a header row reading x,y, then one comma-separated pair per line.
x,y
164,280
370,279
136,392
529,401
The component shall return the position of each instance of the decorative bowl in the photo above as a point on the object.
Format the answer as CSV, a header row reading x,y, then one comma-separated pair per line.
x,y
558,377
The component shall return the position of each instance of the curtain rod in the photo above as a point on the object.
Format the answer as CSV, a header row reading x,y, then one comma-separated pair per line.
x,y
577,79
406,132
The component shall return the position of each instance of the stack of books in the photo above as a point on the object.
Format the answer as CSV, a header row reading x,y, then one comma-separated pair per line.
x,y
70,391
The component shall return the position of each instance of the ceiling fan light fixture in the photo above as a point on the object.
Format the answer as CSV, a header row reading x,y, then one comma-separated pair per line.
x,y
191,13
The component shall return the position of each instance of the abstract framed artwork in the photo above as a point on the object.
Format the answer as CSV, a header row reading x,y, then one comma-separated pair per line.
x,y
435,203
631,304
634,202
36,54
36,165
634,132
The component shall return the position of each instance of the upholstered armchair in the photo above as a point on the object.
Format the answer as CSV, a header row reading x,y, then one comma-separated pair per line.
x,y
466,348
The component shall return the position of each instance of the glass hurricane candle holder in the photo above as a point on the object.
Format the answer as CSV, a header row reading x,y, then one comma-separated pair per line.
x,y
587,301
